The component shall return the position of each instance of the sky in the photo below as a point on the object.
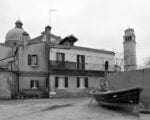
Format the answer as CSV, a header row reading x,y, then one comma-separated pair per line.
x,y
97,24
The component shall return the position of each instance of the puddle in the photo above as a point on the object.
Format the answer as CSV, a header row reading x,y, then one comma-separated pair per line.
x,y
56,107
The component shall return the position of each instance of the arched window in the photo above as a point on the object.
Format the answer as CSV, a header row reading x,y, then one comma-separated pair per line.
x,y
106,65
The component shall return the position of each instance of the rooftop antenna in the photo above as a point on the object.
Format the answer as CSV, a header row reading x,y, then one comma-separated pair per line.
x,y
51,11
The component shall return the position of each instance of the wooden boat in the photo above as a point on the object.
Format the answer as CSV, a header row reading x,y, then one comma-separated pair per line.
x,y
117,97
125,98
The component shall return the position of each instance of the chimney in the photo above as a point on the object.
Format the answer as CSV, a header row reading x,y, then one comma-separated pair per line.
x,y
48,33
25,38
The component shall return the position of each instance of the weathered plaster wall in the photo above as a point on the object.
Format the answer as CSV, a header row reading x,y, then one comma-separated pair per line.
x,y
8,85
119,80
72,90
35,49
24,82
93,60
29,72
5,52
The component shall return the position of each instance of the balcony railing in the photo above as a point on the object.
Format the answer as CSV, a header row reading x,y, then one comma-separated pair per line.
x,y
76,66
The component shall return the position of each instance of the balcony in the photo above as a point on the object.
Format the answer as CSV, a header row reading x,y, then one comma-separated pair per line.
x,y
74,66
62,65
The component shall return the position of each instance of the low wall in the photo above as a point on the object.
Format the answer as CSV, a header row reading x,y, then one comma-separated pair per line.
x,y
119,80
8,86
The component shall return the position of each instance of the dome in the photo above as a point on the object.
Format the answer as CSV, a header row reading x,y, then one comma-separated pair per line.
x,y
15,34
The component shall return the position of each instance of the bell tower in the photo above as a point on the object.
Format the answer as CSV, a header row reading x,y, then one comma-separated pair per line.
x,y
129,45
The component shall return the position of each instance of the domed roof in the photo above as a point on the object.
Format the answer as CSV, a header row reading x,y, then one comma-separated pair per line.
x,y
15,34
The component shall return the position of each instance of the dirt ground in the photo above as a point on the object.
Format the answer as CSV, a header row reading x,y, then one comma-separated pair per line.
x,y
61,109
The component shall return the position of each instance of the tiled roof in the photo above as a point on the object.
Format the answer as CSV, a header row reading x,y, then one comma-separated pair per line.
x,y
82,48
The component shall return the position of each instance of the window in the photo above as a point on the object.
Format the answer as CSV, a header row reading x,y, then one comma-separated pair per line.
x,y
82,82
61,82
33,60
106,65
80,62
34,84
60,57
60,60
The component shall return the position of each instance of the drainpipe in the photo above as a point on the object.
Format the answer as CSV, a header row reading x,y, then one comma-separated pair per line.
x,y
48,38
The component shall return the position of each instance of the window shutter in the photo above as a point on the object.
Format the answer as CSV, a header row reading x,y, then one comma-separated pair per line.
x,y
47,82
63,57
83,62
31,83
78,62
78,82
29,59
66,82
56,82
86,82
36,60
37,83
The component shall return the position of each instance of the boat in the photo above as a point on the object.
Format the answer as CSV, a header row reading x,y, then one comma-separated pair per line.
x,y
117,97
125,98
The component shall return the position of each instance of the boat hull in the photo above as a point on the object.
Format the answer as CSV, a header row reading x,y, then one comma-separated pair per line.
x,y
118,97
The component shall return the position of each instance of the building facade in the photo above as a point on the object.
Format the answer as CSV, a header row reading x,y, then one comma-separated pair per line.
x,y
51,66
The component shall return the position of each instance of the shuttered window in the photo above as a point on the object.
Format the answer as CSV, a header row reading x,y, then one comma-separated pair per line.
x,y
34,84
32,59
60,57
82,82
80,62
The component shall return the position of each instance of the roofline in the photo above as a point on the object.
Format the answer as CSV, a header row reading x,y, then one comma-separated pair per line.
x,y
3,44
58,37
81,48
6,58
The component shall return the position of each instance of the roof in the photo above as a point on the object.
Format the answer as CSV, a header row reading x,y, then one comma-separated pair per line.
x,y
3,44
70,38
82,48
15,33
39,38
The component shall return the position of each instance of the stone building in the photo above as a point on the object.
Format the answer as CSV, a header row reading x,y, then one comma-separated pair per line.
x,y
48,65
129,45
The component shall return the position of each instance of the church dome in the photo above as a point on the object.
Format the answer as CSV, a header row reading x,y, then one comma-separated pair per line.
x,y
15,34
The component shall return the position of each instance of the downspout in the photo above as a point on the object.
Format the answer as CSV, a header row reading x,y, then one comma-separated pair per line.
x,y
48,38
47,49
16,54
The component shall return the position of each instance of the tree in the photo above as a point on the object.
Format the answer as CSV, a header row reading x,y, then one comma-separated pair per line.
x,y
147,62
119,61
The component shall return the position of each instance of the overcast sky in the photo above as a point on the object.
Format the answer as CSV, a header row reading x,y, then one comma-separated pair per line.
x,y
96,23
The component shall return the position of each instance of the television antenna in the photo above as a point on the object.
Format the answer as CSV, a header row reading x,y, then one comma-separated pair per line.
x,y
50,17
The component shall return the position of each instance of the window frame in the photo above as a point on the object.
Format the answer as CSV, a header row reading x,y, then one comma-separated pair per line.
x,y
30,59
86,82
80,62
36,84
65,81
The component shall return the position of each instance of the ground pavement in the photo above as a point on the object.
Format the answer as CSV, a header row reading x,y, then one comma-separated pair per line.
x,y
61,109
